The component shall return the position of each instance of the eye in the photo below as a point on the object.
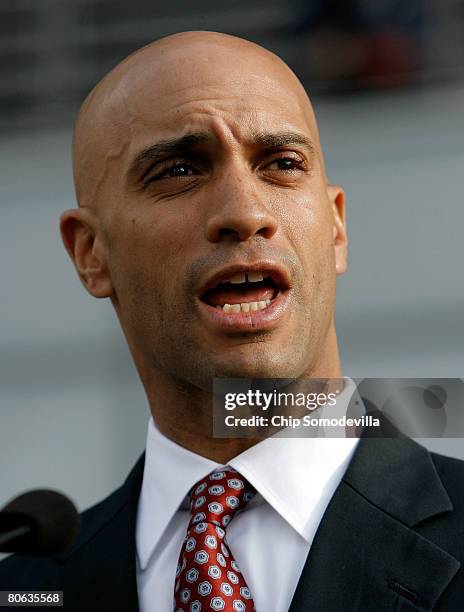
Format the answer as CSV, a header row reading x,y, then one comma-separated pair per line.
x,y
173,170
178,170
287,164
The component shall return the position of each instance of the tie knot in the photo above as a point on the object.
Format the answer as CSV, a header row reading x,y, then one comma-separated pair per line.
x,y
218,497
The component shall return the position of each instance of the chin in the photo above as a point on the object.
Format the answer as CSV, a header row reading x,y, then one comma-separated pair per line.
x,y
257,366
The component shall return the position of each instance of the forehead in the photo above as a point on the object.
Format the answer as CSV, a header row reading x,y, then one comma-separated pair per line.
x,y
232,91
229,94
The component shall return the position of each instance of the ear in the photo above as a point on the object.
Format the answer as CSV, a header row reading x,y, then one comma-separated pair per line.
x,y
84,243
337,200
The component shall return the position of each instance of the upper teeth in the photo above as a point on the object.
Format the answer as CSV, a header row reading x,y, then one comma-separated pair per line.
x,y
241,277
245,307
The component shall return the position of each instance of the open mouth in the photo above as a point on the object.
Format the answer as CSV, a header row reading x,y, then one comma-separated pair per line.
x,y
244,291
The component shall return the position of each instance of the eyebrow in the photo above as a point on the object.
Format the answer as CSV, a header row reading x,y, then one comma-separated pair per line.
x,y
176,146
283,139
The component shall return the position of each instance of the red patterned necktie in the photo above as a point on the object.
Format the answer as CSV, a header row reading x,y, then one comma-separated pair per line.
x,y
208,577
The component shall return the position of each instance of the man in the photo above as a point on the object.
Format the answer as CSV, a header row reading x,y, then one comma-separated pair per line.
x,y
206,216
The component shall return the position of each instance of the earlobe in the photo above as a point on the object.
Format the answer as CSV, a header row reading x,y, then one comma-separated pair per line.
x,y
83,242
336,196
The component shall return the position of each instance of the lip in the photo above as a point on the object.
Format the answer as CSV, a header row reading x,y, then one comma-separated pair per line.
x,y
277,273
253,321
257,320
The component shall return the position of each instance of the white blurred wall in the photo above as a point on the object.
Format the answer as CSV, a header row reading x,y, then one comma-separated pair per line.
x,y
72,411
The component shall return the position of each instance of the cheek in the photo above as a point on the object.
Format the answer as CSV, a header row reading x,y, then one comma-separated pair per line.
x,y
143,264
310,233
310,228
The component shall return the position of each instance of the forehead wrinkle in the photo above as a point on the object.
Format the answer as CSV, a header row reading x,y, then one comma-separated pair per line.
x,y
222,120
279,134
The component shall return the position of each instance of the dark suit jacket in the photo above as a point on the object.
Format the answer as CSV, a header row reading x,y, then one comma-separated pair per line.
x,y
392,538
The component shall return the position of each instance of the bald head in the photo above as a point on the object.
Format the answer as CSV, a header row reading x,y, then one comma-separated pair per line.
x,y
183,67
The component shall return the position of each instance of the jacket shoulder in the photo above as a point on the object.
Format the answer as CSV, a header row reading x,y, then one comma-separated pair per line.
x,y
451,473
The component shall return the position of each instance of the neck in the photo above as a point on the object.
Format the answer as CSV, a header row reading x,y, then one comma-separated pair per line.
x,y
184,413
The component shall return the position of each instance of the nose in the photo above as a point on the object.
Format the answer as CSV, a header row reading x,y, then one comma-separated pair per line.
x,y
238,210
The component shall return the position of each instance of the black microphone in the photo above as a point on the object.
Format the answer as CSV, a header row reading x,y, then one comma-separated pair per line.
x,y
39,522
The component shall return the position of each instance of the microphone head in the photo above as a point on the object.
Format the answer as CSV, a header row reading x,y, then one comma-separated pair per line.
x,y
53,519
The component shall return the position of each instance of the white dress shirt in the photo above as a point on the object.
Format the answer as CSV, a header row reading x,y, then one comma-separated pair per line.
x,y
295,479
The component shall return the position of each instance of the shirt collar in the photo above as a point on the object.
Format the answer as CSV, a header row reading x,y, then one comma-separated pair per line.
x,y
297,476
169,473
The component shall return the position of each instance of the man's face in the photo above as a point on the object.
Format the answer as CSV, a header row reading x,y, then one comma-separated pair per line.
x,y
211,175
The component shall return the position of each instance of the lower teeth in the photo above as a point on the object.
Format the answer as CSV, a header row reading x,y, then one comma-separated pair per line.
x,y
245,306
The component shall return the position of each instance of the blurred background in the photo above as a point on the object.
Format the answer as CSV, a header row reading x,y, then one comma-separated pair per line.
x,y
387,80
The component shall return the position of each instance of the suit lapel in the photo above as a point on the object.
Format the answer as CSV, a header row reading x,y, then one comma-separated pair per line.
x,y
98,572
366,550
